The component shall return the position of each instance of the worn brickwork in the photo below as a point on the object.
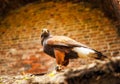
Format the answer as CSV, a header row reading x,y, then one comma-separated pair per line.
x,y
20,30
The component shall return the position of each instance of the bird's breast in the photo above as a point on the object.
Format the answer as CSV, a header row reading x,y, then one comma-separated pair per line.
x,y
49,50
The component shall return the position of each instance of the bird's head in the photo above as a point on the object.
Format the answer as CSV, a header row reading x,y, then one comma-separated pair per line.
x,y
45,33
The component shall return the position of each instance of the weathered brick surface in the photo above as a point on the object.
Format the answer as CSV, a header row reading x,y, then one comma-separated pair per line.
x,y
20,30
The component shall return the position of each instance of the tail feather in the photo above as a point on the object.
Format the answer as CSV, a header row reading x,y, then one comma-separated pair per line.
x,y
100,55
83,52
88,52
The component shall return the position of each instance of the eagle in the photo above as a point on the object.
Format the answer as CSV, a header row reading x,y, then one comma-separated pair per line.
x,y
63,48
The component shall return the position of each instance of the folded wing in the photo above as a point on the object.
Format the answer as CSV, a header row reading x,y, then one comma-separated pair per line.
x,y
63,41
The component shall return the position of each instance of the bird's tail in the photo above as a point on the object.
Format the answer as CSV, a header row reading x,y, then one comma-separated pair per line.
x,y
84,52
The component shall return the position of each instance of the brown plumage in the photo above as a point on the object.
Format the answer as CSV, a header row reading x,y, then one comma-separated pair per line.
x,y
64,48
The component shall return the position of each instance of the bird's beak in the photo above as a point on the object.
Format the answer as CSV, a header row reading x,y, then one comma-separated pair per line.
x,y
45,31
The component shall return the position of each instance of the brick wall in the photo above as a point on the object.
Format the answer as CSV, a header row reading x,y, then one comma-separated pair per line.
x,y
20,30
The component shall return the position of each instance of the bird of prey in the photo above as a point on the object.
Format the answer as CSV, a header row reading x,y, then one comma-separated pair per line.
x,y
64,48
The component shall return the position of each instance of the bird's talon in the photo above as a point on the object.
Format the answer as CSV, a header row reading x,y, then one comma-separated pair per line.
x,y
58,68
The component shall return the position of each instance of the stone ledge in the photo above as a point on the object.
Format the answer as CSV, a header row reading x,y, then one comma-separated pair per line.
x,y
100,72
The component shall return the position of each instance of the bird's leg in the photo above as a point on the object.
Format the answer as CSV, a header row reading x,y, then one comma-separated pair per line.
x,y
60,56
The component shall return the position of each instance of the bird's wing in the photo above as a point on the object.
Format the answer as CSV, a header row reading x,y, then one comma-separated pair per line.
x,y
63,41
